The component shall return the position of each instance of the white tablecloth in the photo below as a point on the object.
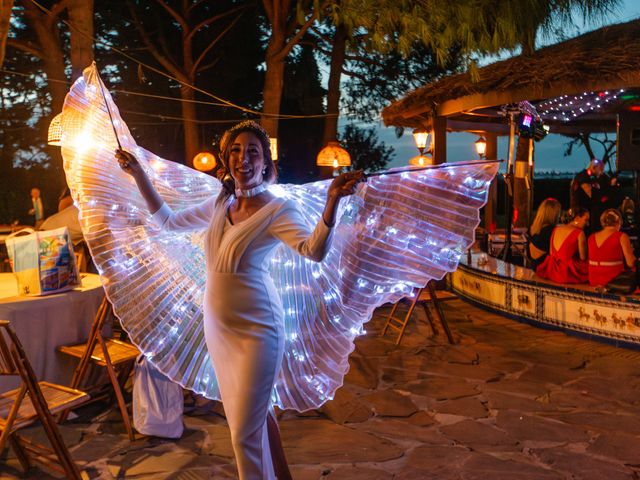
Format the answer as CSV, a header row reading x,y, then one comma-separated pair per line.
x,y
45,323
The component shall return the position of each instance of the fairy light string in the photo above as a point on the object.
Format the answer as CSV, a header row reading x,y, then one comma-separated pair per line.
x,y
569,107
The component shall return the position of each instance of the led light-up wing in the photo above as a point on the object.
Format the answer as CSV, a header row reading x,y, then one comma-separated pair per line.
x,y
398,232
154,279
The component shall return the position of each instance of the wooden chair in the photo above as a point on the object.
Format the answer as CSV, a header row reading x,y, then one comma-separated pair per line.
x,y
30,402
400,324
83,256
116,356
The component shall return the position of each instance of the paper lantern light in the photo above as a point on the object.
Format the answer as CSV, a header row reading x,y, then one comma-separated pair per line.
x,y
333,155
421,161
54,136
204,161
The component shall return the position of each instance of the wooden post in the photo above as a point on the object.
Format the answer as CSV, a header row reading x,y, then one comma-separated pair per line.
x,y
439,140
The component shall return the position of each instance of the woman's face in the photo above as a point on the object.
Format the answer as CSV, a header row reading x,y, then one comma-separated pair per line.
x,y
246,160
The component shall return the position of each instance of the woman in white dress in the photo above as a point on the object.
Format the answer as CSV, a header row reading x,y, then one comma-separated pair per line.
x,y
243,314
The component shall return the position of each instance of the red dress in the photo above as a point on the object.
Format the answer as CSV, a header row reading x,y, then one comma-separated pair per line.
x,y
606,262
564,265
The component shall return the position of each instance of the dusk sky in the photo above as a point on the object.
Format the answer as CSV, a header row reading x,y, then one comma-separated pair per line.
x,y
549,151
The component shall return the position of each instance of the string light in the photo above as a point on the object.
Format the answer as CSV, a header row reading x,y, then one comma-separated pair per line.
x,y
569,107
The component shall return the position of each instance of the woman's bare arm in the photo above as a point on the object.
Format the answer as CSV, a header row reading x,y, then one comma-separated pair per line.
x,y
129,164
582,246
627,250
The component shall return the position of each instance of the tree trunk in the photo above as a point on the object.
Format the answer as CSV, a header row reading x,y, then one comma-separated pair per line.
x,y
52,54
333,90
273,84
81,17
189,119
5,16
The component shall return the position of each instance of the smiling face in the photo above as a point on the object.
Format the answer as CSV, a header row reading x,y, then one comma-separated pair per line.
x,y
246,161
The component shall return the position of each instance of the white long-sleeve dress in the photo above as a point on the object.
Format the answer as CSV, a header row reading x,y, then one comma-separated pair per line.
x,y
243,314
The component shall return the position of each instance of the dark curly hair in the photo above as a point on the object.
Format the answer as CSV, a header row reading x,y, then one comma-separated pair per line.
x,y
271,174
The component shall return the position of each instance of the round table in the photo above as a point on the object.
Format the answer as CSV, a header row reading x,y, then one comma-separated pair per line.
x,y
47,322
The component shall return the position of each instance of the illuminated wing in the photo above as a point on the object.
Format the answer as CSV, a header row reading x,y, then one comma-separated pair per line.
x,y
400,231
154,279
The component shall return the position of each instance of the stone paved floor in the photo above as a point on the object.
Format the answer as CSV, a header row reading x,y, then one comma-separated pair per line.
x,y
509,401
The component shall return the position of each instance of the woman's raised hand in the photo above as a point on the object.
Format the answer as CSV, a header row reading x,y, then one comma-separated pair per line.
x,y
128,162
345,184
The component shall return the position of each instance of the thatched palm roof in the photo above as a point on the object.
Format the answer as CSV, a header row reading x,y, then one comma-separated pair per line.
x,y
607,58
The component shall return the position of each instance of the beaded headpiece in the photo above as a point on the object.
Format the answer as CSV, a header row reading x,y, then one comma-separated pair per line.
x,y
247,125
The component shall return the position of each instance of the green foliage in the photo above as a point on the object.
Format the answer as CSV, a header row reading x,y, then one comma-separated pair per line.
x,y
374,79
367,152
472,27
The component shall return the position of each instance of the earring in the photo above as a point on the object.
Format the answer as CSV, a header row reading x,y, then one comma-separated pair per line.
x,y
264,171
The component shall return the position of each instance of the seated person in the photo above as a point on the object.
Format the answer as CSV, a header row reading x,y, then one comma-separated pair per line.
x,y
628,211
540,232
567,258
67,216
610,250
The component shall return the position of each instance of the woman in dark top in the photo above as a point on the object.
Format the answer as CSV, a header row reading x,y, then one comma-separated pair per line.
x,y
543,224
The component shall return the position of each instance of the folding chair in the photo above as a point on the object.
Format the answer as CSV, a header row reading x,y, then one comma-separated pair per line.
x,y
400,324
110,353
30,402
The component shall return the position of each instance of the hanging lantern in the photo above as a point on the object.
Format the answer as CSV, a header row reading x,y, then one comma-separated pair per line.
x,y
204,161
273,147
333,155
421,137
421,161
54,136
481,147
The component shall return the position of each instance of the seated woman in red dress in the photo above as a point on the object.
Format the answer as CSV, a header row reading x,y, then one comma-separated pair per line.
x,y
610,250
543,224
566,262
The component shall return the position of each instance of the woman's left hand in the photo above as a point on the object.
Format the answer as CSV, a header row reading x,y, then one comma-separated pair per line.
x,y
345,184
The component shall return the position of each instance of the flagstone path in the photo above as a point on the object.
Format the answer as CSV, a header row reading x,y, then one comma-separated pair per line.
x,y
508,401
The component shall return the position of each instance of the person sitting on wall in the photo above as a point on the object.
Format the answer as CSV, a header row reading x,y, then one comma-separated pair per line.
x,y
610,251
540,232
567,259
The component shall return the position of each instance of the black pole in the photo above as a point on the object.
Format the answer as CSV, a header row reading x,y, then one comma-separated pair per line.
x,y
106,104
429,167
505,254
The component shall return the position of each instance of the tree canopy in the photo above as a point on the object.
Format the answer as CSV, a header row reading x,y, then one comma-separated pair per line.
x,y
182,71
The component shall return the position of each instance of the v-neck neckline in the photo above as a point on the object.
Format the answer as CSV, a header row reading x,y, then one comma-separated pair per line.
x,y
228,218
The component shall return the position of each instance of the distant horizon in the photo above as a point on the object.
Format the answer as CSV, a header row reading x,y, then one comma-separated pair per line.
x,y
548,153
